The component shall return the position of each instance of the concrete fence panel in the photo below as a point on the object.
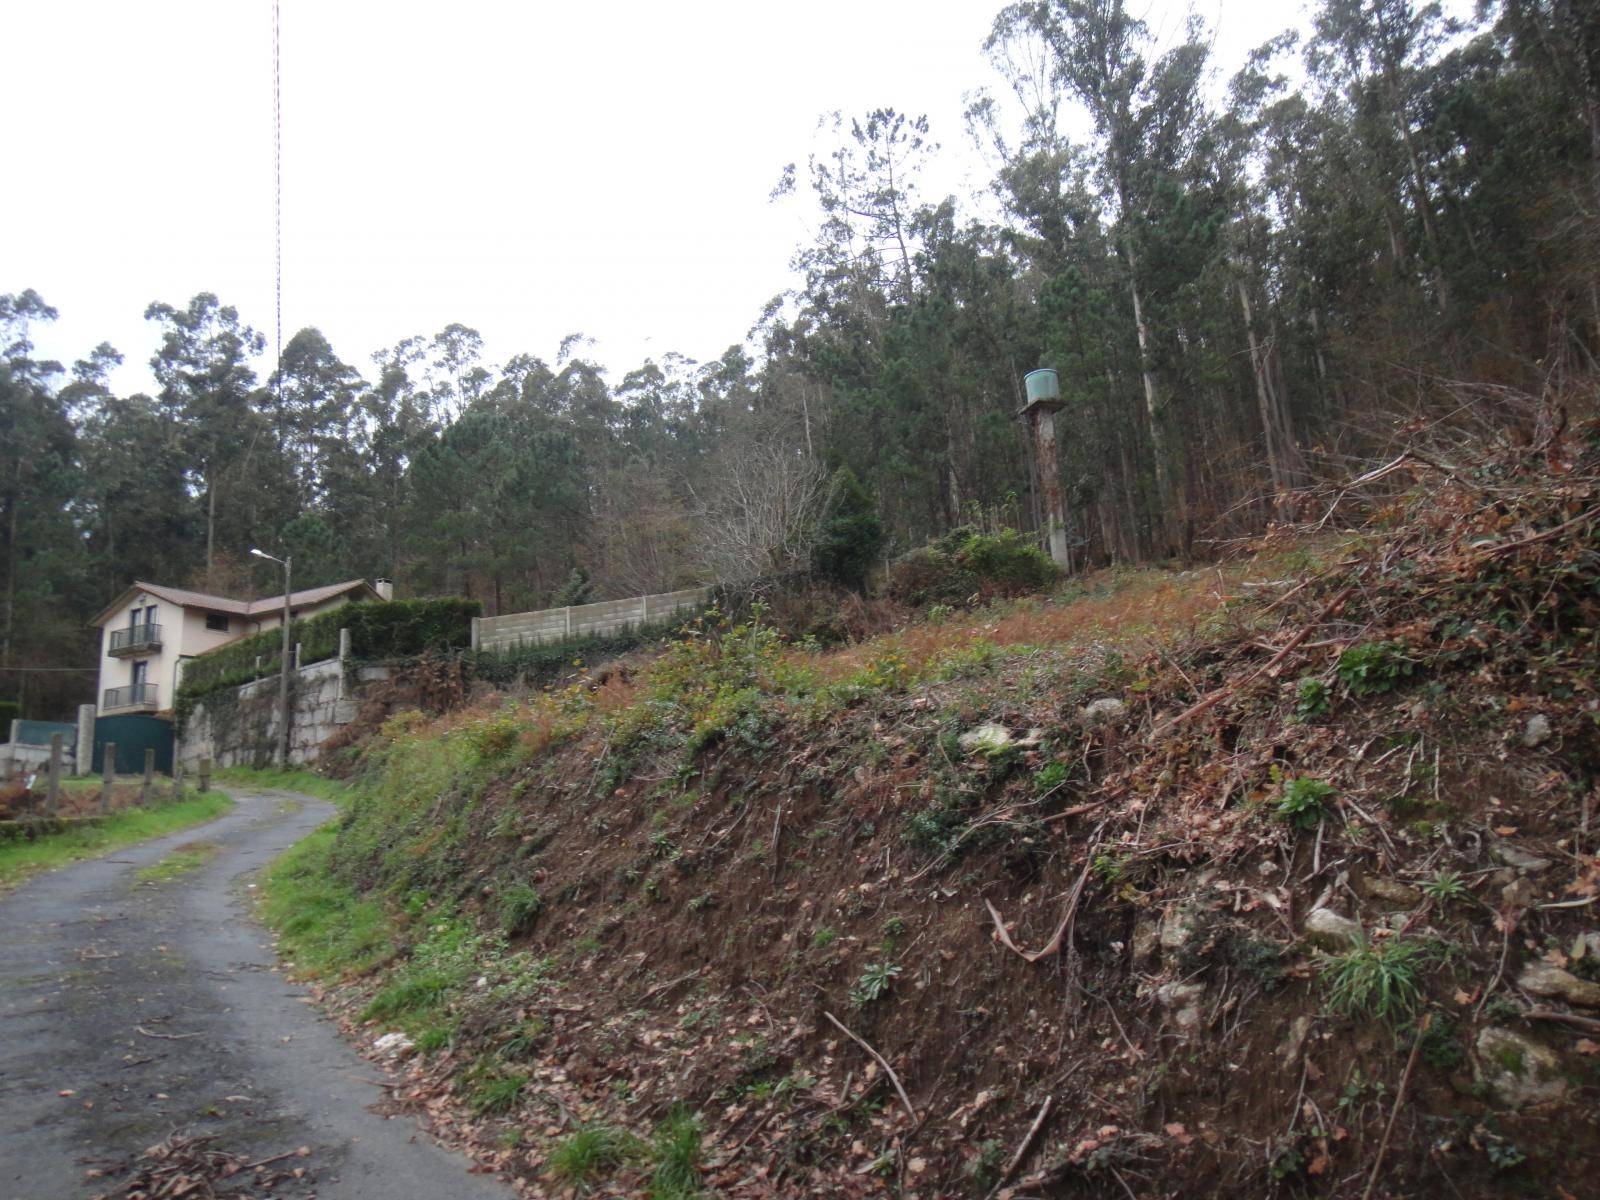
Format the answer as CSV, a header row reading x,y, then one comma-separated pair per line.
x,y
500,634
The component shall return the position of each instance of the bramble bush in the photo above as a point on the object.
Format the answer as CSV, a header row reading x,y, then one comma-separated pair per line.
x,y
966,562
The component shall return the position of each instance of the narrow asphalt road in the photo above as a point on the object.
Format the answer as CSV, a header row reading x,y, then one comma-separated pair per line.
x,y
132,1008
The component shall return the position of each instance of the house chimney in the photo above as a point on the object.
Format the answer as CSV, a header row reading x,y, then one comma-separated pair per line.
x,y
384,588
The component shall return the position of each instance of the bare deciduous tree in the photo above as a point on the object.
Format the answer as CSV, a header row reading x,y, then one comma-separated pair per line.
x,y
758,510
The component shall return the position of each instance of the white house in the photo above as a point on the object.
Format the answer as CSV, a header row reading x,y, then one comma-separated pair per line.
x,y
149,630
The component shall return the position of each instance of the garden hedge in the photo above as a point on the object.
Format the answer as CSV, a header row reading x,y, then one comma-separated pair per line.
x,y
380,629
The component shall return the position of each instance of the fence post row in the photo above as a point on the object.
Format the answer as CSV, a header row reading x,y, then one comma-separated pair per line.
x,y
52,798
108,771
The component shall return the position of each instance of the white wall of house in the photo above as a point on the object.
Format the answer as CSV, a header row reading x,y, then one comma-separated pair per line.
x,y
184,634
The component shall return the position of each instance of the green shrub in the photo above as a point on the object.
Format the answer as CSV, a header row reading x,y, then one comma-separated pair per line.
x,y
1302,801
519,908
10,710
1311,699
1371,668
874,983
850,536
1445,886
966,562
493,1091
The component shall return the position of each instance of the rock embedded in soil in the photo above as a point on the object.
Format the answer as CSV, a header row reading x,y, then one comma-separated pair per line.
x,y
1184,1001
1518,1070
1537,731
1327,929
1552,983
1390,893
1519,895
1146,938
988,738
1178,928
1107,710
1295,1041
1515,856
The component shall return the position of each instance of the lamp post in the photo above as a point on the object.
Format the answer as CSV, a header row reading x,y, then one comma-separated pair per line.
x,y
283,663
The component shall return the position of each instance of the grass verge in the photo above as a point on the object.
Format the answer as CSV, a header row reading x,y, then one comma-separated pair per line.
x,y
324,928
293,779
21,859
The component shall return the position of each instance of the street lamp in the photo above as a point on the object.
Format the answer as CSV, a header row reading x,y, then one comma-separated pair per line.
x,y
283,663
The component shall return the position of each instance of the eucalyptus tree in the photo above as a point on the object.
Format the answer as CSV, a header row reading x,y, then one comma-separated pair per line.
x,y
1145,113
207,382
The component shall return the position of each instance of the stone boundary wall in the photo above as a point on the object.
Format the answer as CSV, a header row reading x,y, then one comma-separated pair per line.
x,y
242,728
497,634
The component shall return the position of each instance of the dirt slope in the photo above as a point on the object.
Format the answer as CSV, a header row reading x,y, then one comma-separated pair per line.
x,y
1277,879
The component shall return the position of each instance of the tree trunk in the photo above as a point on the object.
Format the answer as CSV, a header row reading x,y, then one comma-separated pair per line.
x,y
211,525
1158,448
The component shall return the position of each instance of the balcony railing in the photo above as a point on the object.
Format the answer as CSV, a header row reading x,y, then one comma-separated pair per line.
x,y
135,639
135,695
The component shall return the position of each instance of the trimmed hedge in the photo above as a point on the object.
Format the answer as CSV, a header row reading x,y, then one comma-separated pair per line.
x,y
378,630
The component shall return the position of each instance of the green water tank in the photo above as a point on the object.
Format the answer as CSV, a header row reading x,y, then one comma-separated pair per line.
x,y
1043,387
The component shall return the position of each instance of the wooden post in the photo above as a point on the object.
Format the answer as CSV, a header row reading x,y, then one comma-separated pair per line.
x,y
149,775
177,780
52,796
108,773
205,774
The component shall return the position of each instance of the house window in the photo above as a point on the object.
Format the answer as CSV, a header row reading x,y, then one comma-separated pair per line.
x,y
217,622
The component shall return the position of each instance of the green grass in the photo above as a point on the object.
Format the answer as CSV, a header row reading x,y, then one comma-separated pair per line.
x,y
1377,979
676,1148
191,856
323,926
22,859
578,1159
294,779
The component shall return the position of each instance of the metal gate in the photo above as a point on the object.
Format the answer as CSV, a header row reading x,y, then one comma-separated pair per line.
x,y
132,734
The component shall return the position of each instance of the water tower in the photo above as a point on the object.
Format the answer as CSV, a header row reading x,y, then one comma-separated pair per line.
x,y
1039,414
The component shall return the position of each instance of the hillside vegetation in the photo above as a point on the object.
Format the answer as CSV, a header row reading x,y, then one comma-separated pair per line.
x,y
1275,877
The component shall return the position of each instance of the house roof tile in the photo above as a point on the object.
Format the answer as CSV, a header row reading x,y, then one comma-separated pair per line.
x,y
225,604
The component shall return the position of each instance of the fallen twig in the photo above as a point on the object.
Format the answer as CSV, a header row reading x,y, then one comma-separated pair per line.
x,y
881,1061
1399,1098
166,1037
1067,913
671,983
1589,1024
1221,694
1022,1148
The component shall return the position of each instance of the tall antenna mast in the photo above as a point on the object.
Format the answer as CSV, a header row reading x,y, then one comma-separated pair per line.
x,y
277,190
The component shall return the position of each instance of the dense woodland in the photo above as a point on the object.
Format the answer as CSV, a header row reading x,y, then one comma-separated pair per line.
x,y
1240,282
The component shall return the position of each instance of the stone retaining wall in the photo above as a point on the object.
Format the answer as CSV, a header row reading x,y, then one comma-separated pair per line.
x,y
240,727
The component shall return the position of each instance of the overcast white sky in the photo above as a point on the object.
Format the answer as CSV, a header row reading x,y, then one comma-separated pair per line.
x,y
528,169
